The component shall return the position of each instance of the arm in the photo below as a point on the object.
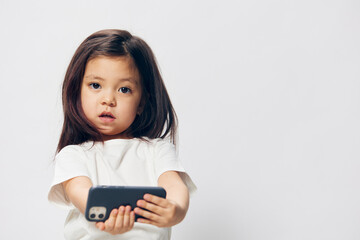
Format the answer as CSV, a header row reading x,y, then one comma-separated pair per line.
x,y
165,212
120,221
176,191
77,190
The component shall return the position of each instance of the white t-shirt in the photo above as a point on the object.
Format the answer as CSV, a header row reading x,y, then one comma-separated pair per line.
x,y
126,162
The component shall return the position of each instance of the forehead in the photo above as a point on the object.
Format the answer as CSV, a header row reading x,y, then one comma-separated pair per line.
x,y
105,67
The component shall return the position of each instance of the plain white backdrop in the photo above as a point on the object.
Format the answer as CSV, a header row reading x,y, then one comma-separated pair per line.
x,y
268,99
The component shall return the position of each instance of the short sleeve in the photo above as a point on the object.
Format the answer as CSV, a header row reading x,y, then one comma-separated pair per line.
x,y
69,163
166,159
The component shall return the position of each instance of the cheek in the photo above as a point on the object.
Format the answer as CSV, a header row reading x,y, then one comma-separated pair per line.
x,y
130,109
83,100
86,103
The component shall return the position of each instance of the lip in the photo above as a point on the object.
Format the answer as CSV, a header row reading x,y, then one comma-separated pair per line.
x,y
107,117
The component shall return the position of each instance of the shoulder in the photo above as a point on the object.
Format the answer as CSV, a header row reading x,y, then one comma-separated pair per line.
x,y
71,148
159,141
159,144
163,149
75,150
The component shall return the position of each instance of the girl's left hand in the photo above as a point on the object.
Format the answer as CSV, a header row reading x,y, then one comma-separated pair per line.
x,y
159,211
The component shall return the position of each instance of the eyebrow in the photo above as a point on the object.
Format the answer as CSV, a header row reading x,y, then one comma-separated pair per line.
x,y
95,77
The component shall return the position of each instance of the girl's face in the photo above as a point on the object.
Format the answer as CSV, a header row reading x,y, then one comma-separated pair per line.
x,y
111,94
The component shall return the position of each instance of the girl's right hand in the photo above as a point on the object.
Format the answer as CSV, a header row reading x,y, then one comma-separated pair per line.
x,y
120,221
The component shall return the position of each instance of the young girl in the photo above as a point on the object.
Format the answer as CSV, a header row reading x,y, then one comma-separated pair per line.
x,y
119,129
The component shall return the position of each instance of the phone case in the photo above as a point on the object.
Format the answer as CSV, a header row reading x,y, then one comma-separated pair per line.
x,y
103,199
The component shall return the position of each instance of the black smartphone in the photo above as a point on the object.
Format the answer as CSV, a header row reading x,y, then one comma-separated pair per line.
x,y
103,199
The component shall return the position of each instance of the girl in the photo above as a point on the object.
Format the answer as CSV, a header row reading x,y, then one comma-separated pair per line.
x,y
117,117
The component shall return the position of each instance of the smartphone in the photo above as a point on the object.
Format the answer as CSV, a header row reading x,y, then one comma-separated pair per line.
x,y
103,199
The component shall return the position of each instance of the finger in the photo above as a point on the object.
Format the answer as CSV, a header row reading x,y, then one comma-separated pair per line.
x,y
100,225
147,221
110,223
162,202
132,219
150,206
127,217
146,214
120,218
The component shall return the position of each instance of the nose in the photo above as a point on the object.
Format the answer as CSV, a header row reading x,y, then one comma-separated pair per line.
x,y
109,100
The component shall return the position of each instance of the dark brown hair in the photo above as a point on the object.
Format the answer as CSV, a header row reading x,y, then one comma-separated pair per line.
x,y
158,118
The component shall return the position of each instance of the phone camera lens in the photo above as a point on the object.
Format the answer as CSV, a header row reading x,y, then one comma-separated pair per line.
x,y
101,216
92,215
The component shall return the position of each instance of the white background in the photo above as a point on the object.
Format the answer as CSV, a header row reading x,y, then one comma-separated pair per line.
x,y
267,94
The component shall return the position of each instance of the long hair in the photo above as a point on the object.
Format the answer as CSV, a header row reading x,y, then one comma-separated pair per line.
x,y
158,118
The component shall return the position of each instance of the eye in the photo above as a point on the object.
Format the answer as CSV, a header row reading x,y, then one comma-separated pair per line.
x,y
125,90
94,85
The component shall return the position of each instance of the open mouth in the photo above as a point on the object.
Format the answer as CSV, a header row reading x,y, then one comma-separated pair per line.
x,y
107,115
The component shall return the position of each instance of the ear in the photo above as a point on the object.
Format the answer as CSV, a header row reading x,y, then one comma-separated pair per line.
x,y
141,106
139,111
